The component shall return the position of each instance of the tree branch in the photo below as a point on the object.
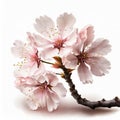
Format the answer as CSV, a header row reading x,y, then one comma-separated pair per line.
x,y
115,102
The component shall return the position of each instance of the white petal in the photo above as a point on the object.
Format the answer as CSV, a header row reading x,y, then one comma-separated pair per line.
x,y
55,97
65,51
30,82
44,25
40,70
51,105
71,39
65,23
41,41
99,47
84,73
70,61
49,52
60,90
21,73
87,35
28,91
78,45
18,49
41,78
32,104
40,95
31,39
42,100
99,65
52,78
26,70
27,82
76,48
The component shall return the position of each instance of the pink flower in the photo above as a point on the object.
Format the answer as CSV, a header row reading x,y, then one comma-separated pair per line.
x,y
42,89
55,39
88,55
28,51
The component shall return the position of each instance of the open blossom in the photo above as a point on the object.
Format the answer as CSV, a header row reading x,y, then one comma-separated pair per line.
x,y
88,55
28,51
55,38
42,89
57,49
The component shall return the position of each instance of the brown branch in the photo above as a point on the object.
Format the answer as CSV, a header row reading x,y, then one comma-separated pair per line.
x,y
83,101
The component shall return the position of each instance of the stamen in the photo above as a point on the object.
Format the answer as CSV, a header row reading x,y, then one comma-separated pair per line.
x,y
45,85
82,57
20,64
58,43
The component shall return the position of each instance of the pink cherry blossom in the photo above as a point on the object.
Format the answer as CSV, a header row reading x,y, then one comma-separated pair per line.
x,y
57,49
87,55
28,51
55,38
42,89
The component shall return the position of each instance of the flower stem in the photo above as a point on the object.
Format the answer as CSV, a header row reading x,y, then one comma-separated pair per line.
x,y
115,102
46,62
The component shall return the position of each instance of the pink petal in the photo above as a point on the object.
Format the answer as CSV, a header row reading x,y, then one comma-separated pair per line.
x,y
51,105
18,48
41,41
65,23
87,35
28,91
55,97
21,73
67,61
41,78
84,73
71,39
60,90
27,71
52,78
99,47
32,104
42,100
31,39
76,48
65,51
49,52
44,25
40,95
78,45
23,50
27,82
99,65
41,69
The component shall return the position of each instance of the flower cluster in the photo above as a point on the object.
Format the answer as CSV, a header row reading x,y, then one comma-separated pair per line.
x,y
75,49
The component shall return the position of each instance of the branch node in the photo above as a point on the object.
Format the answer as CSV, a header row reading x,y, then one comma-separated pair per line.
x,y
103,100
117,99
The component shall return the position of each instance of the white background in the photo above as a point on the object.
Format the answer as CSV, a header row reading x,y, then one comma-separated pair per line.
x,y
17,18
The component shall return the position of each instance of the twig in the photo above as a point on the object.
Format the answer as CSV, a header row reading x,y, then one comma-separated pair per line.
x,y
115,102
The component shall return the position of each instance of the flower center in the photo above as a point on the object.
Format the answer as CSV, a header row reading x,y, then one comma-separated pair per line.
x,y
82,57
44,86
58,43
36,58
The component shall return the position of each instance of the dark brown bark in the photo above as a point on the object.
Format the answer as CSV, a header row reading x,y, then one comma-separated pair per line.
x,y
115,102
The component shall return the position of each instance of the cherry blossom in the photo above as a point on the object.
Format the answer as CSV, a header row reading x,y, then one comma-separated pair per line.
x,y
42,89
87,55
28,51
55,39
57,50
